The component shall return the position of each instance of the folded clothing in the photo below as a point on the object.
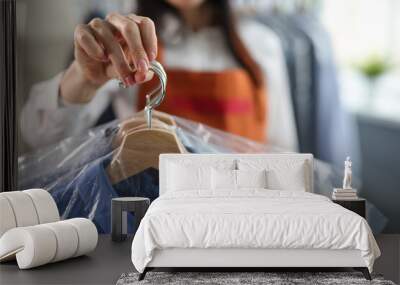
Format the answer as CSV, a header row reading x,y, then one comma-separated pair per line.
x,y
37,245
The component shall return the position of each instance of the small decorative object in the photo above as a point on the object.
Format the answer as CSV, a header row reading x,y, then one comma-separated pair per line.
x,y
119,210
347,174
346,192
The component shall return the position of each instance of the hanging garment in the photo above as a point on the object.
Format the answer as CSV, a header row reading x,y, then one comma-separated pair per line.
x,y
228,100
43,168
298,55
269,53
335,130
88,193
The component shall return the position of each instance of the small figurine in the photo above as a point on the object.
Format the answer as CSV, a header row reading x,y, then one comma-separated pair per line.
x,y
347,174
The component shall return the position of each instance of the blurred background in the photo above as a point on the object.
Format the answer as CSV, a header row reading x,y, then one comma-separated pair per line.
x,y
342,60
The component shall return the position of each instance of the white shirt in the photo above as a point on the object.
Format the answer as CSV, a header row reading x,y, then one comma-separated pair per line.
x,y
44,121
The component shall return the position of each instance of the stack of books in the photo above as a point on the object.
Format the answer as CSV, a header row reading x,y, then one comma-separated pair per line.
x,y
344,194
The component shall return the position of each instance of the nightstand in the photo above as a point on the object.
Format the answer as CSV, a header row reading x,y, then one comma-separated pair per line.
x,y
119,209
356,205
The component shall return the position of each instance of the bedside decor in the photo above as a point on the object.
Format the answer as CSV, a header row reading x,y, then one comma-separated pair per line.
x,y
347,192
347,196
119,211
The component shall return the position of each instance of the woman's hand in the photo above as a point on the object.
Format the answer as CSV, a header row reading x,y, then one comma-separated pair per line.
x,y
117,47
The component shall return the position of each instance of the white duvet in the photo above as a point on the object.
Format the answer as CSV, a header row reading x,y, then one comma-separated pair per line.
x,y
250,219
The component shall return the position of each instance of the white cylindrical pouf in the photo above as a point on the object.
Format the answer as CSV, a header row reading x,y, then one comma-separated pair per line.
x,y
87,234
23,208
45,205
67,239
7,218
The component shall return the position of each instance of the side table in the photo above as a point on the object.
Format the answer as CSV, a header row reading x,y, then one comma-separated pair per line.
x,y
119,214
356,205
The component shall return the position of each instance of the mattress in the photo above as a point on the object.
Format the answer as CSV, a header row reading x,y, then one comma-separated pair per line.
x,y
250,219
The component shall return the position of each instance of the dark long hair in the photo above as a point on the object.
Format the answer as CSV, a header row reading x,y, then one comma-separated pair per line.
x,y
223,17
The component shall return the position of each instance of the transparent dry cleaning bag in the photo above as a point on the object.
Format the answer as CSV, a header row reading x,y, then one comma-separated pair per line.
x,y
83,173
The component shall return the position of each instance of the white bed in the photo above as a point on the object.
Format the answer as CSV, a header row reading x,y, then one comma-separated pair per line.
x,y
198,223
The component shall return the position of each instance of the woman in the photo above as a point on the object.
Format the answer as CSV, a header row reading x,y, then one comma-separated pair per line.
x,y
217,73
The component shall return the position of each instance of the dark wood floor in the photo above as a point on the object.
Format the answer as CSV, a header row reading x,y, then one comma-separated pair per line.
x,y
389,262
102,266
110,260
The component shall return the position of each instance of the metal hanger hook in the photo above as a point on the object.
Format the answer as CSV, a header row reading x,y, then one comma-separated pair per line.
x,y
155,97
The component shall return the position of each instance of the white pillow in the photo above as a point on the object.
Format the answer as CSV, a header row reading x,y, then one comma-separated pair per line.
x,y
293,181
223,179
183,178
282,174
251,178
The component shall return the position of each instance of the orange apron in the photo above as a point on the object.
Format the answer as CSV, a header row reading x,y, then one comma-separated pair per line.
x,y
227,100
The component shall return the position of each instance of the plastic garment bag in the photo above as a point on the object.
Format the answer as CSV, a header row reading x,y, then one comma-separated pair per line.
x,y
75,171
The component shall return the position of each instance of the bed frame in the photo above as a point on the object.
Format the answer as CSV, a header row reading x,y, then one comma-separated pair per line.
x,y
260,259
245,259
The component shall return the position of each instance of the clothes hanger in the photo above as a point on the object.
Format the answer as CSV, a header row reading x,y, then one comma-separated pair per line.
x,y
139,121
142,145
151,116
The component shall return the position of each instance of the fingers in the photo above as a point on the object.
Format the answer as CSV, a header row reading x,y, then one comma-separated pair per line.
x,y
148,33
131,34
84,38
104,33
149,76
111,73
120,41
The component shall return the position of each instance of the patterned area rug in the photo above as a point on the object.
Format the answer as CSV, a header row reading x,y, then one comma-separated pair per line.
x,y
243,278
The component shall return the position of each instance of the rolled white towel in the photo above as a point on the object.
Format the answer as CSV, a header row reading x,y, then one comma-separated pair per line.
x,y
26,208
67,240
23,208
40,244
7,218
87,234
32,246
45,205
